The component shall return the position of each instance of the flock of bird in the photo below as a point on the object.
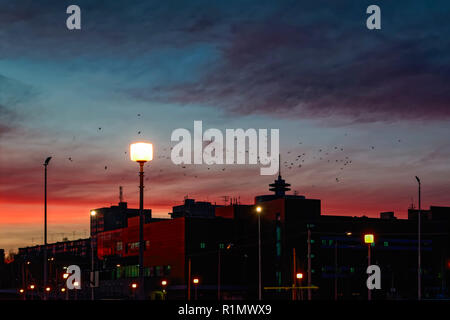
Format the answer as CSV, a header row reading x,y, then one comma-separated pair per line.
x,y
291,160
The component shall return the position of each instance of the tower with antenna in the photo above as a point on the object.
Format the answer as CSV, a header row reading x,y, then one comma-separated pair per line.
x,y
279,186
120,194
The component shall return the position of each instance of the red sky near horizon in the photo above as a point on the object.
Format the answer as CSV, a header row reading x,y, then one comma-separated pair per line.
x,y
360,112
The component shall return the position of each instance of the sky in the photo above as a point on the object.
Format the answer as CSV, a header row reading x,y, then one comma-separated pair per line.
x,y
366,110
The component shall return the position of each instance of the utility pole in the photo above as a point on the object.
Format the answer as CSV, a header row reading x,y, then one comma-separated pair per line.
x,y
335,270
419,262
309,263
45,222
189,279
218,277
294,276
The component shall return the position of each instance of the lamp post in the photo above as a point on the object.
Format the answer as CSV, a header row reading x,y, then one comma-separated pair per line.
x,y
369,239
258,211
141,152
164,285
419,262
92,278
45,220
195,281
299,277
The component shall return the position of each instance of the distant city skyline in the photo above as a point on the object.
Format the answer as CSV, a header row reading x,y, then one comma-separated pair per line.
x,y
366,111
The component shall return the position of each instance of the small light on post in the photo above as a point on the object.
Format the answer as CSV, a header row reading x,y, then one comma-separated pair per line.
x,y
63,289
299,275
48,289
134,285
65,275
258,209
32,287
195,281
368,238
164,283
93,213
21,291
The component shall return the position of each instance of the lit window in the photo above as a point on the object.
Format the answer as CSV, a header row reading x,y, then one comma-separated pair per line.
x,y
221,245
202,245
386,244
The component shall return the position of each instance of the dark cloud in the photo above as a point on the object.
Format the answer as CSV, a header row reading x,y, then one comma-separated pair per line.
x,y
285,71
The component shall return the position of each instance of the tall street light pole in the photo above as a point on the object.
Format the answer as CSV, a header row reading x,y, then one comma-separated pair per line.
x,y
419,262
258,211
93,278
141,152
369,239
45,220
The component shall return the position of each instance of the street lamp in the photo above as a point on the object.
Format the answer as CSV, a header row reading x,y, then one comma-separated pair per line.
x,y
299,277
369,239
141,152
46,162
419,262
258,212
195,281
92,278
32,287
164,285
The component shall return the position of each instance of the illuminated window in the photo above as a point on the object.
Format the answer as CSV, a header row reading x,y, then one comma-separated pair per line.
x,y
119,246
202,245
352,270
221,245
386,244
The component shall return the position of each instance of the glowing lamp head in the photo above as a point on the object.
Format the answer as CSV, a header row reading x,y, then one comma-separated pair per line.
x,y
32,287
299,275
195,281
48,289
258,209
134,285
65,275
141,152
21,291
76,284
368,238
164,283
348,233
93,213
63,289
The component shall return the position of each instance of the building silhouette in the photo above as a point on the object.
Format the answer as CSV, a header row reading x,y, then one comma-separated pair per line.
x,y
218,244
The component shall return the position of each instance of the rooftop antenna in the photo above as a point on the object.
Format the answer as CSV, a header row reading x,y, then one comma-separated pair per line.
x,y
225,199
279,165
120,194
